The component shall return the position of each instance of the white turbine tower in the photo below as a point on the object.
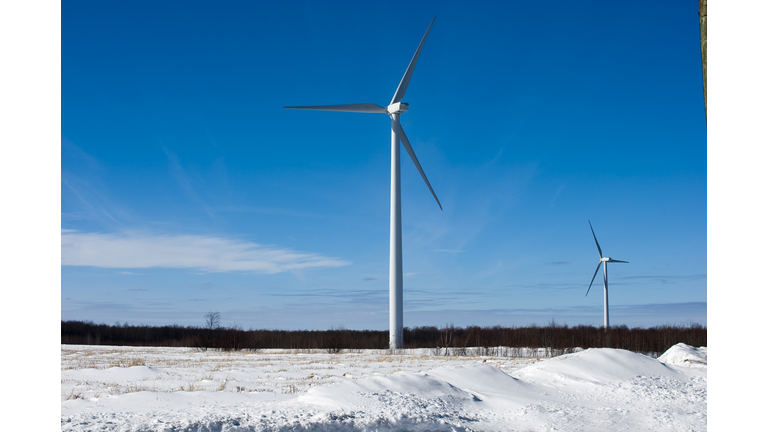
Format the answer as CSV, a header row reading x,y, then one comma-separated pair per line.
x,y
604,261
393,110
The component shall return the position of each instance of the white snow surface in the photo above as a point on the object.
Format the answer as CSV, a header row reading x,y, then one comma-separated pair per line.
x,y
107,388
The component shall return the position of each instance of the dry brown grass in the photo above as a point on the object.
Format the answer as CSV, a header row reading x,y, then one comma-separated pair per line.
x,y
270,370
115,389
75,394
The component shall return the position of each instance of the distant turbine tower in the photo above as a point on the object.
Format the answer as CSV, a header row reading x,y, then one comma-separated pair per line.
x,y
604,262
394,110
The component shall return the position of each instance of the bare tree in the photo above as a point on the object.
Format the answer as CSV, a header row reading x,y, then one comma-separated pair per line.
x,y
212,322
446,337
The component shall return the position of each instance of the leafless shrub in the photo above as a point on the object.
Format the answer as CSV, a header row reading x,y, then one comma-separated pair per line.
x,y
335,340
75,394
446,337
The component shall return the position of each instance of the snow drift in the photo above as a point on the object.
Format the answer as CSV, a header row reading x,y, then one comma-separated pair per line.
x,y
595,389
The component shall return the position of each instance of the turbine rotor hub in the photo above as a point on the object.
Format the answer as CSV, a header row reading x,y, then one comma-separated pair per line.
x,y
397,108
605,259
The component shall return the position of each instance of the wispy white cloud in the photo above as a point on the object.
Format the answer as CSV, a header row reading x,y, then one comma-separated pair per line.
x,y
91,202
83,193
551,203
666,278
186,182
266,210
212,254
496,158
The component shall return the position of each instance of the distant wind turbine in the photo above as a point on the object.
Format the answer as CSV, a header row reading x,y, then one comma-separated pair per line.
x,y
393,110
604,261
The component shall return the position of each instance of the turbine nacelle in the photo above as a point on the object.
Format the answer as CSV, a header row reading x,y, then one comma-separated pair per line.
x,y
614,260
397,108
608,259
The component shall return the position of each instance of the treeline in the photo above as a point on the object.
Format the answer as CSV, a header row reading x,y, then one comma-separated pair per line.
x,y
554,338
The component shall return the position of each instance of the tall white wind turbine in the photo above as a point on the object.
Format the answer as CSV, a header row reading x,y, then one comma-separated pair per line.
x,y
604,261
393,110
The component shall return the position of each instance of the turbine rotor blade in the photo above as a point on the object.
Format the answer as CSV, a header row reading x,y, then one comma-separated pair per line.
x,y
613,260
598,244
408,72
404,139
362,108
593,277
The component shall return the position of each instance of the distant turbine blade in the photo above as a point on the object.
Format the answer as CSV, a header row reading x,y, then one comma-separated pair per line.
x,y
408,72
404,139
613,260
593,277
598,244
362,108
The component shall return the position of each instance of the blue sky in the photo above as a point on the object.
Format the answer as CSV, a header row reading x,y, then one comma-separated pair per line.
x,y
185,187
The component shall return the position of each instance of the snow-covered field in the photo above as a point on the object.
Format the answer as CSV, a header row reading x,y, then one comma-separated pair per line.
x,y
173,389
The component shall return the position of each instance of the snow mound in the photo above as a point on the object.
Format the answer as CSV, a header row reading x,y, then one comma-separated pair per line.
x,y
479,378
685,355
489,385
446,398
353,392
596,365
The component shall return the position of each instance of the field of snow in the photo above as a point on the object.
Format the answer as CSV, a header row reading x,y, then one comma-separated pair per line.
x,y
173,389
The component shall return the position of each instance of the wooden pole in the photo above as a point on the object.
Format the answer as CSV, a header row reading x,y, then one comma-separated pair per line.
x,y
703,29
